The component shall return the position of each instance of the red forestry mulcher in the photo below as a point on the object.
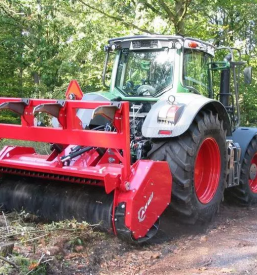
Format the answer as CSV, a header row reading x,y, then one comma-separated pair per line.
x,y
114,154
126,198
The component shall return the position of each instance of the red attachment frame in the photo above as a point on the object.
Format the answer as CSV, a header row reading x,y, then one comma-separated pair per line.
x,y
71,132
145,187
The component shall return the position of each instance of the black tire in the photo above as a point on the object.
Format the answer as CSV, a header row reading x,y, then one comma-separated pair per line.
x,y
182,154
244,194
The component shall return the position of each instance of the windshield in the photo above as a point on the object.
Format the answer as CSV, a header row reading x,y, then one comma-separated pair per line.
x,y
145,73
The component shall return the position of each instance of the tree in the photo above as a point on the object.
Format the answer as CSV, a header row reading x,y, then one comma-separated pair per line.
x,y
44,44
173,13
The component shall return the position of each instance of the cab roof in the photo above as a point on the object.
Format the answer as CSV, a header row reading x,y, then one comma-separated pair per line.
x,y
139,42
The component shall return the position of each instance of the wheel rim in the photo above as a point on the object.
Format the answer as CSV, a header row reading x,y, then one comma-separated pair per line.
x,y
207,170
253,174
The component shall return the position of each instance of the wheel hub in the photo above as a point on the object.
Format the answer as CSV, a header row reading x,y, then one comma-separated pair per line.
x,y
253,171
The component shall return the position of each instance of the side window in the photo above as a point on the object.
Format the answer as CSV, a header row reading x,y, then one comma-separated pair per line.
x,y
108,74
195,72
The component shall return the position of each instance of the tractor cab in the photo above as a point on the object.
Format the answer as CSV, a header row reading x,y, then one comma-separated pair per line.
x,y
151,66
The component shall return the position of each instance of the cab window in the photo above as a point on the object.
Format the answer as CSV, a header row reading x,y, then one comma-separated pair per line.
x,y
195,71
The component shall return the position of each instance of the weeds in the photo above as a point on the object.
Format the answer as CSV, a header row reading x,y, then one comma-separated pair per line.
x,y
36,243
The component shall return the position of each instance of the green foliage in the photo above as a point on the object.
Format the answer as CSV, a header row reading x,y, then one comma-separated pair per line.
x,y
9,117
44,44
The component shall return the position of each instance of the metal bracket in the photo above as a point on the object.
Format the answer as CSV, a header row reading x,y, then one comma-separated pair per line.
x,y
52,109
16,107
106,111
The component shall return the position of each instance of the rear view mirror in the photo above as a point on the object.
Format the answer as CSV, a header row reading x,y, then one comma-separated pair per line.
x,y
248,75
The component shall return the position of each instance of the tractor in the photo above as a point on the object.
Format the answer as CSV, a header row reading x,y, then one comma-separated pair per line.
x,y
166,135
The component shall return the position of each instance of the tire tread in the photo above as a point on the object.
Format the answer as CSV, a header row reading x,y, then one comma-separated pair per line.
x,y
180,153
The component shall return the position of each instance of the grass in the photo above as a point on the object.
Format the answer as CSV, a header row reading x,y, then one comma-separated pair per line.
x,y
40,147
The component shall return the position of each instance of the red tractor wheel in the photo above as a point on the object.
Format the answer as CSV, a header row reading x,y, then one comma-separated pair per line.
x,y
197,161
246,192
252,179
207,170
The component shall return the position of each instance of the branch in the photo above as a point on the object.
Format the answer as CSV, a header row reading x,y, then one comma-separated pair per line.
x,y
19,23
9,262
115,18
7,228
9,13
36,265
152,8
5,7
170,14
186,5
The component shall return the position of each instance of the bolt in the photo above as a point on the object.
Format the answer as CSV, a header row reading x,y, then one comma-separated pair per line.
x,y
127,185
111,160
128,213
115,220
123,206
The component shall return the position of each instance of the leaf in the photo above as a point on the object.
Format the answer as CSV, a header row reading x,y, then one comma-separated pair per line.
x,y
33,266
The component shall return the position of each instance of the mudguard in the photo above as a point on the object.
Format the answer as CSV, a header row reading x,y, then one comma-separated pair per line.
x,y
162,121
243,136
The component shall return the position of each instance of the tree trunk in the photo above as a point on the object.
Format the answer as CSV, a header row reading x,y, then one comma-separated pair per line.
x,y
180,12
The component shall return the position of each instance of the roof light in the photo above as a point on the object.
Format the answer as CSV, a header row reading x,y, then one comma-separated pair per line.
x,y
193,44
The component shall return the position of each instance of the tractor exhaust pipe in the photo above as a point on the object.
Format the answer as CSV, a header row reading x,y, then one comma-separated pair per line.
x,y
225,83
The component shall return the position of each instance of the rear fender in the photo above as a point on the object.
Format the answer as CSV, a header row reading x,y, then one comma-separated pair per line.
x,y
243,136
163,122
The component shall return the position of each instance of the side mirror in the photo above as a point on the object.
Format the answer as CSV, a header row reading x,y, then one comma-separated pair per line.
x,y
248,75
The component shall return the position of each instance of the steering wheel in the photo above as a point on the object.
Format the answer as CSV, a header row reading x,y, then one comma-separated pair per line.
x,y
129,87
146,90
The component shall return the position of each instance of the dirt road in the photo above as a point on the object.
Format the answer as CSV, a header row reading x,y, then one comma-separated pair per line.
x,y
226,246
